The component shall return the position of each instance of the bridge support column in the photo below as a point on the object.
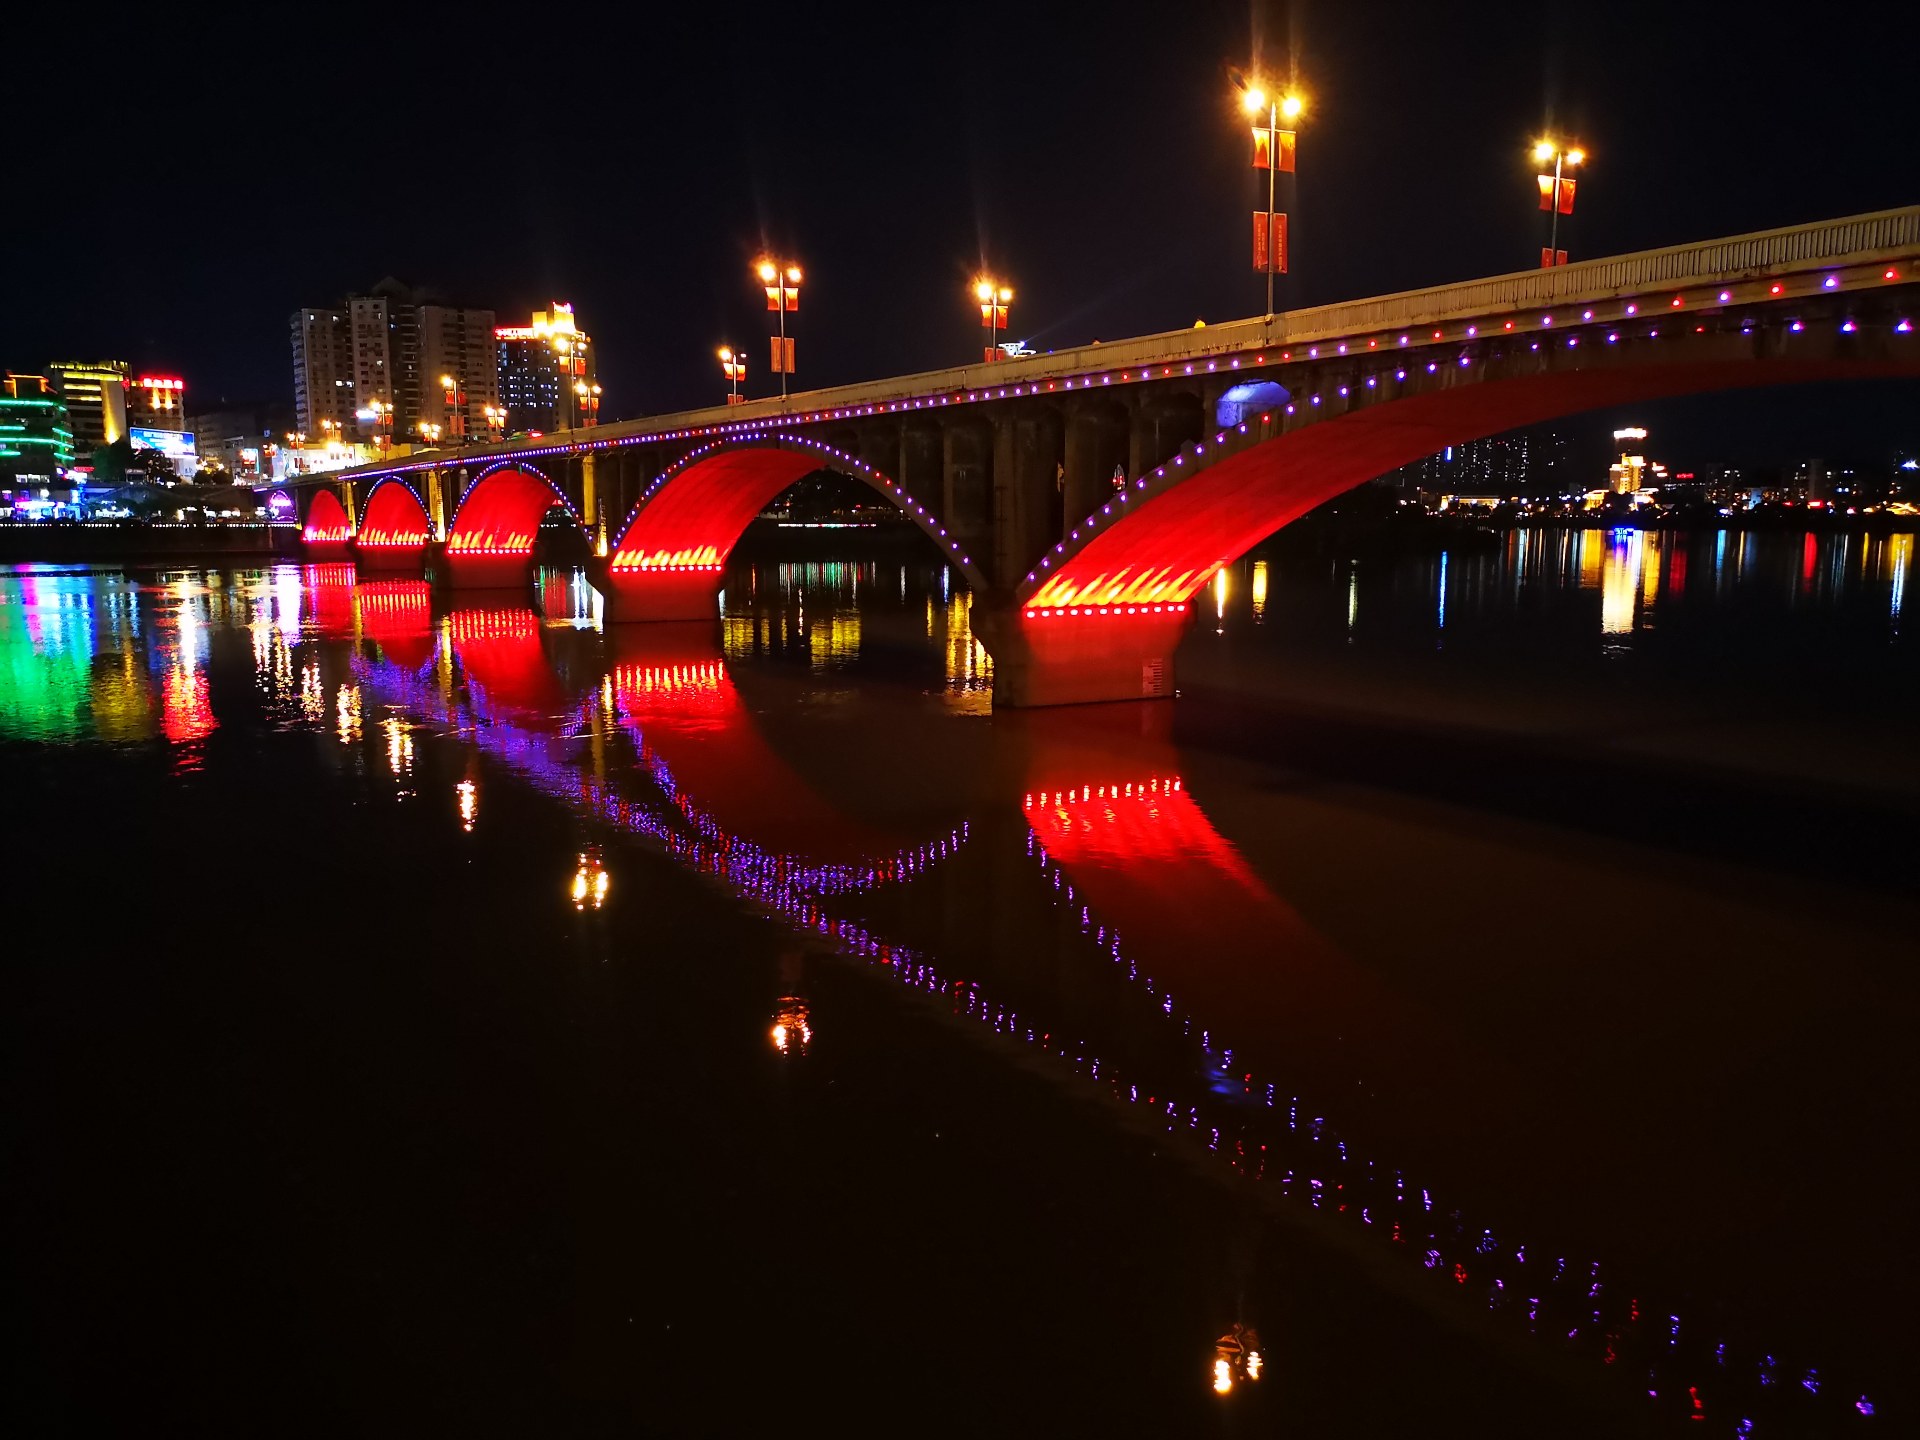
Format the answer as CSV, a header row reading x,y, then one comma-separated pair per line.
x,y
1081,659
353,511
656,595
437,504
592,512
1026,457
967,482
1096,444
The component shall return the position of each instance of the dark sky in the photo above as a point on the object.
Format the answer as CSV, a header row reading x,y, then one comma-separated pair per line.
x,y
633,160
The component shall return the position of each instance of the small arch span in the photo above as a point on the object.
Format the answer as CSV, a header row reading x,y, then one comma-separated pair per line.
x,y
395,518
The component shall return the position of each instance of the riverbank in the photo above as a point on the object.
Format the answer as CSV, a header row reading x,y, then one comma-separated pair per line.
x,y
61,543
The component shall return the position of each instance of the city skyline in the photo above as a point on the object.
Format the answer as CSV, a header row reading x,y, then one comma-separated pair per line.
x,y
1420,150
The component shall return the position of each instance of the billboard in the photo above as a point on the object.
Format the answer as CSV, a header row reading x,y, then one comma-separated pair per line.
x,y
174,444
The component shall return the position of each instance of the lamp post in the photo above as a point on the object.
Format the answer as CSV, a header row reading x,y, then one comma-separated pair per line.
x,y
781,280
734,367
496,418
456,408
1556,193
587,402
994,299
429,433
382,425
1272,152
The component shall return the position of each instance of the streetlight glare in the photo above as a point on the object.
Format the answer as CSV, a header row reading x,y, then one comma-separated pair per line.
x,y
1006,294
767,271
1576,156
726,352
793,274
983,291
1291,107
1543,152
1254,101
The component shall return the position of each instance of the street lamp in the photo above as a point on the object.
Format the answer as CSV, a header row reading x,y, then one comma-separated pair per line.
x,y
734,367
382,424
994,299
496,418
781,280
456,408
587,402
1556,193
1273,153
429,432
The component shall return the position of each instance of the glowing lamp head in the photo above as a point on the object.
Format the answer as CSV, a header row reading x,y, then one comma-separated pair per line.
x,y
1544,151
446,382
793,274
1222,1376
1291,106
767,271
1006,294
1576,156
983,291
1254,100
726,353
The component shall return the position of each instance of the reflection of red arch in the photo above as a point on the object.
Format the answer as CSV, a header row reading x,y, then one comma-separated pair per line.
x,y
397,615
671,686
1167,542
394,519
500,651
329,591
500,513
326,523
669,556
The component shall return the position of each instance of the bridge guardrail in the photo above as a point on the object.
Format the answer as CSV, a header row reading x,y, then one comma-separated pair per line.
x,y
1878,235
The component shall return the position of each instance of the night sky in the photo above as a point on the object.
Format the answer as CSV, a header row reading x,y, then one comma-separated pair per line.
x,y
635,160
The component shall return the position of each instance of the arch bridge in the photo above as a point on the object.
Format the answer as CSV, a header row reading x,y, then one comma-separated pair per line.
x,y
1087,494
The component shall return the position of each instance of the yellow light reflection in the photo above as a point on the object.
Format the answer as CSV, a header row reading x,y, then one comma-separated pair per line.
x,y
791,1033
347,713
1259,591
469,804
590,882
1619,583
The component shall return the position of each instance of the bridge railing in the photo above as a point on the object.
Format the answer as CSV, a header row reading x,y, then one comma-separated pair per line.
x,y
1854,239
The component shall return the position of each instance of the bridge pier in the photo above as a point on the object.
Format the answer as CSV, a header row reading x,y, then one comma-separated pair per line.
x,y
651,596
1081,659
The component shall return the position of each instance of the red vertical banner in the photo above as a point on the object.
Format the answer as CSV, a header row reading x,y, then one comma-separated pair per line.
x,y
1280,243
1546,191
793,297
992,353
1262,255
789,355
1286,152
1566,197
1546,258
1261,140
773,297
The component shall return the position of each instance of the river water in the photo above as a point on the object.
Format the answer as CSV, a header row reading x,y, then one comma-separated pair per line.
x,y
1491,979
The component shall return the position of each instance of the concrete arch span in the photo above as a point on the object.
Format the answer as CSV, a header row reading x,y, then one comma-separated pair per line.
x,y
394,523
491,539
673,546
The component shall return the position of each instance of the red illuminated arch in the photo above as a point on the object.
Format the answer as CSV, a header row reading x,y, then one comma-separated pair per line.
x,y
1215,502
326,524
679,536
501,512
395,519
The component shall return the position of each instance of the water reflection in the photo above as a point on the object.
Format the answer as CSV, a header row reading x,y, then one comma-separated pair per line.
x,y
646,736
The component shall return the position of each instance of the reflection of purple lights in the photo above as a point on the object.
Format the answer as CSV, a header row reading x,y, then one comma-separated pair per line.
x,y
1261,1133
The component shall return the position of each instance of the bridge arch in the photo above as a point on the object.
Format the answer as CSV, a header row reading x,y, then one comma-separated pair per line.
x,y
325,523
674,543
501,511
1164,536
395,518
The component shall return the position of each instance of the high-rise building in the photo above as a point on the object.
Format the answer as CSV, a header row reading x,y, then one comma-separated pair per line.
x,y
457,345
540,364
96,401
157,402
36,435
323,388
371,368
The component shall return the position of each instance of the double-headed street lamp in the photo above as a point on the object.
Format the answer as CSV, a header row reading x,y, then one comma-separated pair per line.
x,y
1273,153
994,299
586,402
734,367
456,408
781,279
382,424
429,432
496,418
1556,193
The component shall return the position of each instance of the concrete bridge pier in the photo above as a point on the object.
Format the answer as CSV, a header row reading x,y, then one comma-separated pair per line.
x,y
966,481
650,596
1081,659
1096,444
1028,449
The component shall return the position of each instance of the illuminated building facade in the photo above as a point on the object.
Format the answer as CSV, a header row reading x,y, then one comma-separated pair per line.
x,y
457,344
36,435
96,400
539,364
157,402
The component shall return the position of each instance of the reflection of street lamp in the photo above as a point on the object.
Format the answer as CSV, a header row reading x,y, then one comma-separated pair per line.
x,y
781,280
590,882
1556,193
994,299
1273,153
734,367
